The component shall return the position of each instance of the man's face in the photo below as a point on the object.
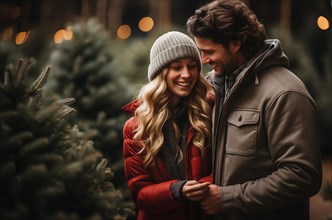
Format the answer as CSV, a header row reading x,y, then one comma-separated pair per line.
x,y
223,60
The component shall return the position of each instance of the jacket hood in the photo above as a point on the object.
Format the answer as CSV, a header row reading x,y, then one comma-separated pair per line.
x,y
271,55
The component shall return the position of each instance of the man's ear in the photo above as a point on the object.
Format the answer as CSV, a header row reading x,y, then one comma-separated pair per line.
x,y
235,45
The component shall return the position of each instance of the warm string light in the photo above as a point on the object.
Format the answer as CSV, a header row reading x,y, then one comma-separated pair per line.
x,y
145,24
124,32
323,23
7,33
21,37
14,12
63,34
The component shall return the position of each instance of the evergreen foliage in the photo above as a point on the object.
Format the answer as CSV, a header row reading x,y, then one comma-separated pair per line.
x,y
10,52
327,190
84,70
48,168
326,193
133,60
136,55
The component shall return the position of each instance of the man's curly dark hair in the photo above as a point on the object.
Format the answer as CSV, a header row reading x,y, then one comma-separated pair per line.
x,y
224,21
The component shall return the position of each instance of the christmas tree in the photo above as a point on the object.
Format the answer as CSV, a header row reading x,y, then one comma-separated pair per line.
x,y
136,53
326,193
327,190
48,168
8,53
32,46
84,69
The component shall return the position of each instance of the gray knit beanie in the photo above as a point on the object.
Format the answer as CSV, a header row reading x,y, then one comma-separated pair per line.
x,y
170,47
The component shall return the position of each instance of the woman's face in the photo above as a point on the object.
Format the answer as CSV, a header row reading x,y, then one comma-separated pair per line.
x,y
181,78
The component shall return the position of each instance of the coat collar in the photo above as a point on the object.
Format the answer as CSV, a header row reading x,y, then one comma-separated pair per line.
x,y
131,107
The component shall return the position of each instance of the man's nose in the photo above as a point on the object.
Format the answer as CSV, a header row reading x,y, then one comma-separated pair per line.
x,y
205,59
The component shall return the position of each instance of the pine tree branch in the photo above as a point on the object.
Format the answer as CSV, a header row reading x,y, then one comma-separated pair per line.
x,y
40,81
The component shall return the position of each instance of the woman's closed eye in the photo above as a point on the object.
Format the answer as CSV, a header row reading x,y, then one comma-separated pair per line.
x,y
176,67
192,65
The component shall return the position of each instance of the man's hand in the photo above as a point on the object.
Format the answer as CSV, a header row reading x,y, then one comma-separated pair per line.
x,y
211,203
194,190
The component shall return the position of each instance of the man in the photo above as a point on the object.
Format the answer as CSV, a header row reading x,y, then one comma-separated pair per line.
x,y
267,160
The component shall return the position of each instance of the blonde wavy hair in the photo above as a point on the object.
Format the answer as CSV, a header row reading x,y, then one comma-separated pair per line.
x,y
153,113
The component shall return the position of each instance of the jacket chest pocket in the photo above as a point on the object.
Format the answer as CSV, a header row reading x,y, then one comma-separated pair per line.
x,y
242,132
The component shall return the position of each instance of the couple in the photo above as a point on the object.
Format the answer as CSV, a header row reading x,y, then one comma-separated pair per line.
x,y
246,149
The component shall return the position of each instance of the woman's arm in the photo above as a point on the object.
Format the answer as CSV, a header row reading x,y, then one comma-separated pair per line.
x,y
150,196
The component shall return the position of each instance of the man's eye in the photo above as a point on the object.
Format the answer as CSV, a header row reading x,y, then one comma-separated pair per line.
x,y
208,52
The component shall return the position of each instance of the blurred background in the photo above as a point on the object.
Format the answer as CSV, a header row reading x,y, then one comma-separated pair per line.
x,y
98,51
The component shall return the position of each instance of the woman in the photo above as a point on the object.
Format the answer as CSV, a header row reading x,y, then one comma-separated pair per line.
x,y
166,145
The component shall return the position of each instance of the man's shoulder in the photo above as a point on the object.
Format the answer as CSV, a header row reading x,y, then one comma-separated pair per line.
x,y
281,78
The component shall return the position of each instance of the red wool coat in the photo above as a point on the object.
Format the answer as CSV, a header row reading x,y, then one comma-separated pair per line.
x,y
150,186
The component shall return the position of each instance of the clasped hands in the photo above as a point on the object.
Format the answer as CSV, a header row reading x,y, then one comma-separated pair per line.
x,y
208,195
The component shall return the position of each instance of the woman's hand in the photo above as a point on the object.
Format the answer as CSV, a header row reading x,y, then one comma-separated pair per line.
x,y
194,190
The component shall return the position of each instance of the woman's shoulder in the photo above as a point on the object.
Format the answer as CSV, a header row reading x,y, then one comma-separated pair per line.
x,y
130,146
129,127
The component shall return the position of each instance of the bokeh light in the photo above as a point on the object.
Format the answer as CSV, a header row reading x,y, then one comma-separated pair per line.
x,y
63,34
124,32
146,24
58,36
15,12
7,33
21,37
323,23
68,33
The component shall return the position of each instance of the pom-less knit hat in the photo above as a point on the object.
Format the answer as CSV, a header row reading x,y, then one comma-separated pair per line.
x,y
170,47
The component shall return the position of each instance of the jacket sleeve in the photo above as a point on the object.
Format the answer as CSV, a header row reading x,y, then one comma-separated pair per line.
x,y
294,147
150,196
206,179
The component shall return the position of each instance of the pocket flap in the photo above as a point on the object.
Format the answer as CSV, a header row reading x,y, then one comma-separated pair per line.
x,y
243,117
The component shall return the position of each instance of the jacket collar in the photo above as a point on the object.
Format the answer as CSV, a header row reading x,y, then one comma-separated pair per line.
x,y
131,107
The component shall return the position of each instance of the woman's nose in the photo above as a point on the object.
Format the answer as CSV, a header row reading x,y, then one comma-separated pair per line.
x,y
185,72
